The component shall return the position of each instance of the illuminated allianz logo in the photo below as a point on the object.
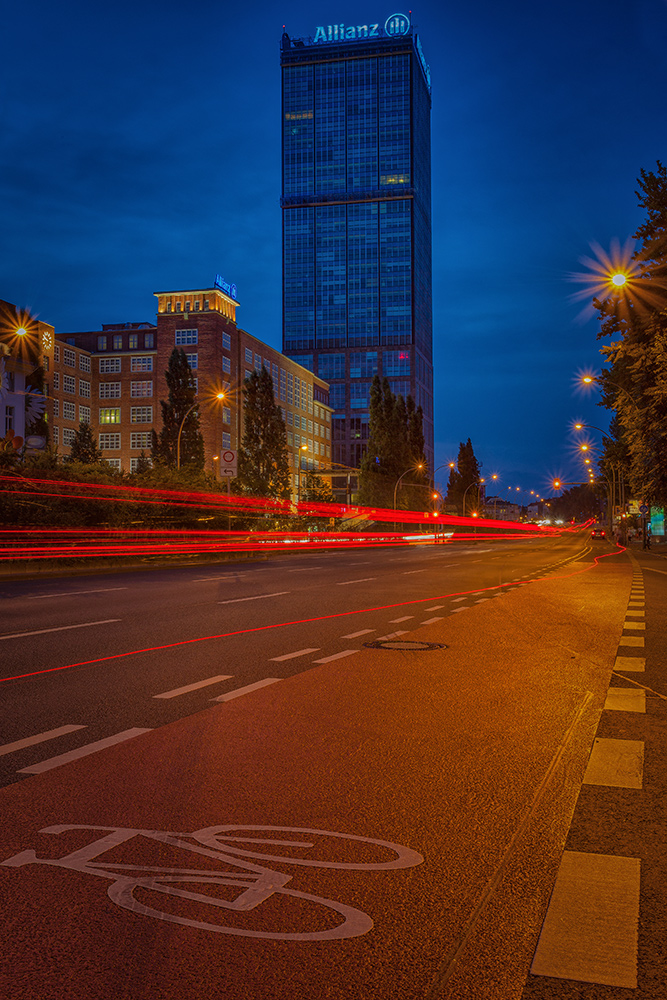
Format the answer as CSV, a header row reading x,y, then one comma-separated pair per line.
x,y
225,286
397,24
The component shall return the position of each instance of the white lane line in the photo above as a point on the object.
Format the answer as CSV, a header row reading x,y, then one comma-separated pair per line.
x,y
257,597
457,599
292,656
637,612
436,607
355,635
66,758
230,578
31,741
482,599
194,687
303,569
74,593
247,689
616,764
438,618
392,635
366,579
630,664
600,945
61,628
411,572
456,610
652,569
337,656
638,625
631,640
625,700
405,618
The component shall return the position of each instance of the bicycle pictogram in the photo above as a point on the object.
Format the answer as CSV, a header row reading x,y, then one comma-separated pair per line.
x,y
231,846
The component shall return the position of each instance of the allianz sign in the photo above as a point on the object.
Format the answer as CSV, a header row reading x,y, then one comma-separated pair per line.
x,y
397,24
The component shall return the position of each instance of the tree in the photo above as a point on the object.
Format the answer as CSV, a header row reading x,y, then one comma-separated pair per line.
x,y
316,490
395,445
635,384
262,463
83,448
179,410
463,478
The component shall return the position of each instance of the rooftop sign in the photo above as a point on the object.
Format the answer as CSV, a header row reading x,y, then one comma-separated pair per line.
x,y
224,286
396,25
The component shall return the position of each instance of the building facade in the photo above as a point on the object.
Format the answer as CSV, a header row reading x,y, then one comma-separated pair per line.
x,y
356,207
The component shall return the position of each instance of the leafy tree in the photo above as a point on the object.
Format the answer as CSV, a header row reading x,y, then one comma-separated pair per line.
x,y
143,464
262,464
395,445
635,385
316,490
462,479
179,409
577,503
84,449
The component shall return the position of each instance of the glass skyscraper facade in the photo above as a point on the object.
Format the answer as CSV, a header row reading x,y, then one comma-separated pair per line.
x,y
356,202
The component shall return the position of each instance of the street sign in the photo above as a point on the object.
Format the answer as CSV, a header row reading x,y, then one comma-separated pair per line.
x,y
228,463
643,509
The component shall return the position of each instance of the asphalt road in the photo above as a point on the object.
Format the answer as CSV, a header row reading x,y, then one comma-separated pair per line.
x,y
436,788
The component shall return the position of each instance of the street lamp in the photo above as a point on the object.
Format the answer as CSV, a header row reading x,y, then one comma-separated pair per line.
x,y
304,447
413,468
219,395
475,482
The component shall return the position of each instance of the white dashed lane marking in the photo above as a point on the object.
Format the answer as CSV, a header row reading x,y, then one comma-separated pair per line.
x,y
438,618
405,618
337,656
194,687
293,656
31,741
66,758
355,635
247,689
630,664
60,628
257,597
625,700
616,764
366,579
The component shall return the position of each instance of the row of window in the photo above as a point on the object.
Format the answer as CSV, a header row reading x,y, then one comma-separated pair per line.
x,y
107,415
132,342
138,363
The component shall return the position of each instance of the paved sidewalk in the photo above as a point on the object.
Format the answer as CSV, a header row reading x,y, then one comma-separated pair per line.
x,y
590,947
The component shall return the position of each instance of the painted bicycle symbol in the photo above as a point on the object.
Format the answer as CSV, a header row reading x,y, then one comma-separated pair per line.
x,y
251,884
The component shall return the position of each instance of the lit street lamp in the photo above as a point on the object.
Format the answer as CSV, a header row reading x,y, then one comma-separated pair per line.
x,y
413,468
219,395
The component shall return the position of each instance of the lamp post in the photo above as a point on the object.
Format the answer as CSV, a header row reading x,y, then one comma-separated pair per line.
x,y
220,396
475,482
304,447
413,468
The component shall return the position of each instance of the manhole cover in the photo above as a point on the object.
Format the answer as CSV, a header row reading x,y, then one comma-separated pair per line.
x,y
407,645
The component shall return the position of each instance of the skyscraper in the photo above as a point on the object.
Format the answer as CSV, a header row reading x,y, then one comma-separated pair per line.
x,y
356,201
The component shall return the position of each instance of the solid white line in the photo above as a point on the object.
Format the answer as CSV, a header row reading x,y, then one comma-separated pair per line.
x,y
336,656
600,944
61,628
74,593
246,690
654,570
31,741
292,656
66,758
405,618
257,597
355,635
194,687
438,618
366,579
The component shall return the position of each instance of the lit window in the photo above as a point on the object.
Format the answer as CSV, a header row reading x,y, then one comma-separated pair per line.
x,y
118,342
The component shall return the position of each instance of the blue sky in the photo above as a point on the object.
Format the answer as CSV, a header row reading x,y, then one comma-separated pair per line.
x,y
140,151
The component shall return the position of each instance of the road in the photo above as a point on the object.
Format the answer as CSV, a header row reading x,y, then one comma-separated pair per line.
x,y
242,695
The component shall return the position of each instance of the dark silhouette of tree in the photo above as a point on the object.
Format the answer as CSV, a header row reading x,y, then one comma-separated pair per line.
x,y
462,479
395,445
179,409
263,469
84,448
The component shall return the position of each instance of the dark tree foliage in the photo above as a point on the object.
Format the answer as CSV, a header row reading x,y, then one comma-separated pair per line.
x,y
464,480
395,446
577,504
635,384
179,409
263,469
84,448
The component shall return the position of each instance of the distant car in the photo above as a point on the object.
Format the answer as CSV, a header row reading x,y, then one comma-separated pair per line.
x,y
598,533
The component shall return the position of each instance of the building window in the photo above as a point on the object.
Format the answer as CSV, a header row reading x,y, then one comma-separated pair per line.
x,y
205,305
113,462
149,340
134,462
56,407
68,436
248,356
69,384
9,418
192,360
196,305
56,380
395,363
109,390
140,439
69,410
141,364
109,366
84,362
363,364
226,364
226,415
133,341
56,435
56,353
110,442
141,389
226,340
84,388
226,439
141,415
69,358
187,337
168,307
84,414
118,341
109,415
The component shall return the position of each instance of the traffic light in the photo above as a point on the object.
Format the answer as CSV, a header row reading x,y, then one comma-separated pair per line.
x,y
556,484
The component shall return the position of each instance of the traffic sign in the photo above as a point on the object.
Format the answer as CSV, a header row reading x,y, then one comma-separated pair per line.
x,y
643,509
228,462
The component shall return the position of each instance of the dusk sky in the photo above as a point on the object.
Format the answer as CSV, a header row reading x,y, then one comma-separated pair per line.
x,y
141,152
